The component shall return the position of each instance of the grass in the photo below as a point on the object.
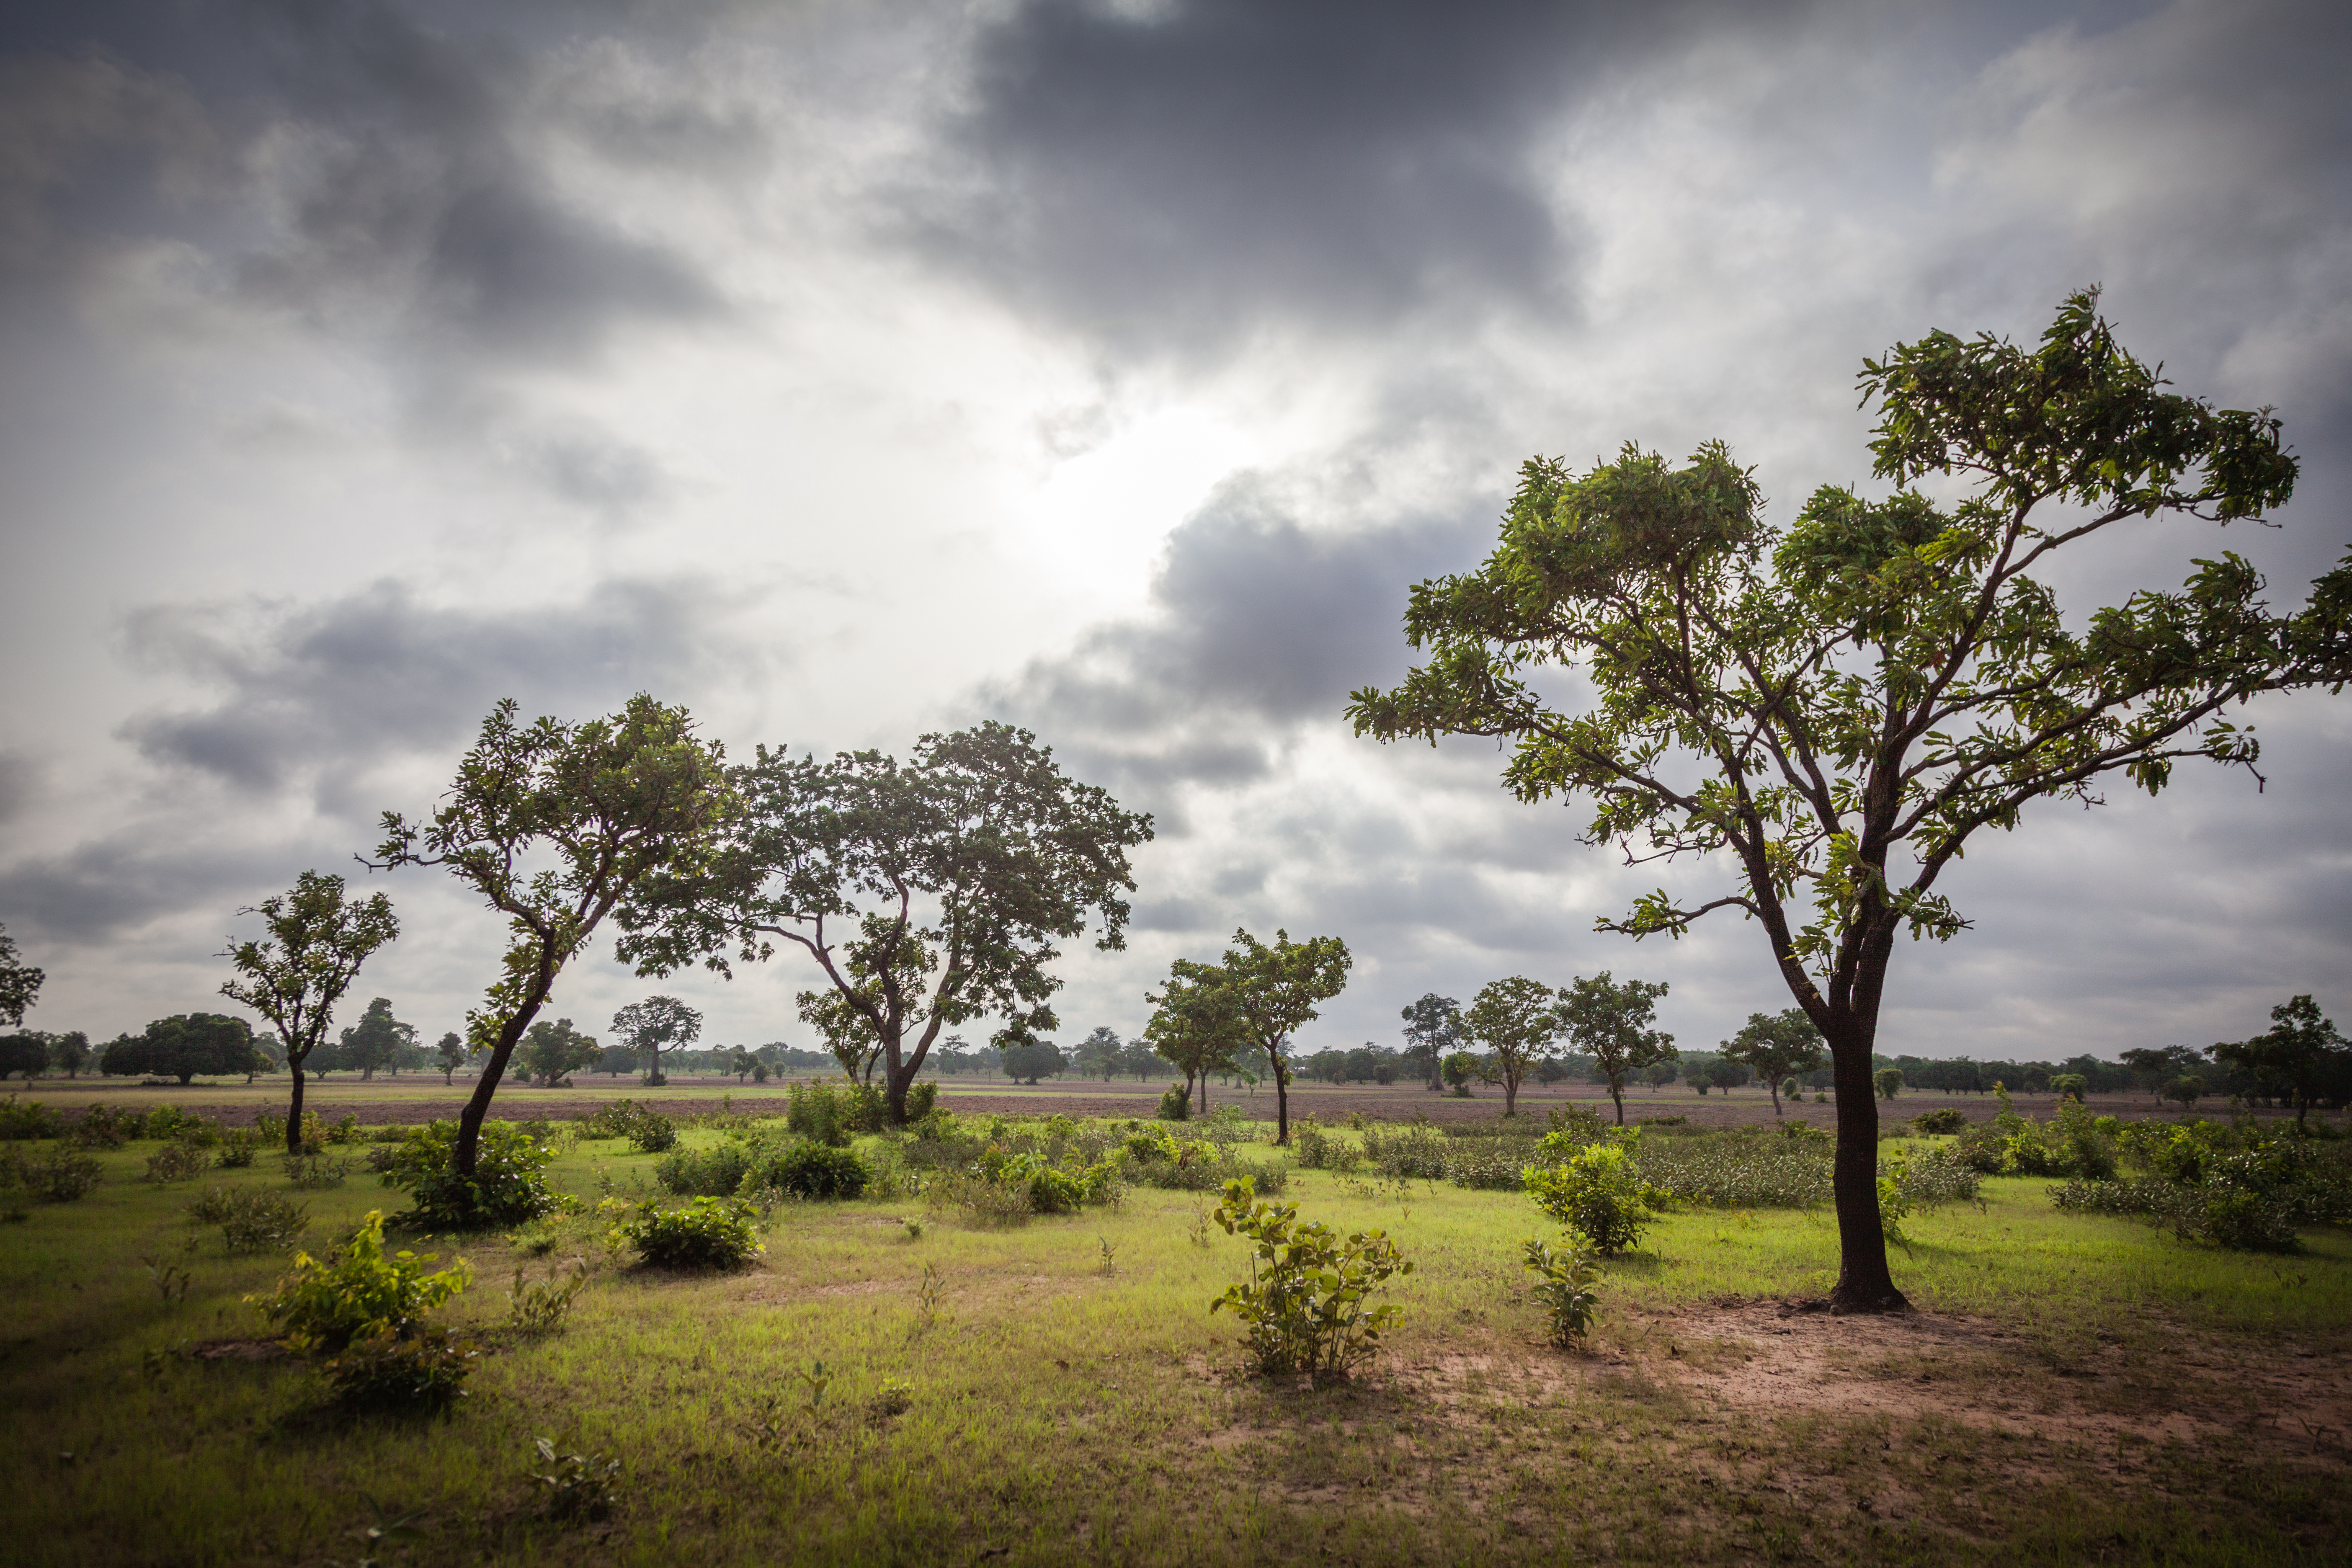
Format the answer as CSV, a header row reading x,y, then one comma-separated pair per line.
x,y
2079,1403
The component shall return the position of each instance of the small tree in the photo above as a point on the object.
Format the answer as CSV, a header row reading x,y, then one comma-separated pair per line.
x,y
928,894
613,801
1658,1075
19,983
1195,1024
450,1054
1026,1058
550,1051
69,1052
1515,1020
2185,1090
740,1062
1888,1081
26,1052
1838,707
377,1040
2070,1086
656,1025
2300,1055
1776,1045
1613,1024
1101,1054
1276,990
294,976
1433,1029
181,1046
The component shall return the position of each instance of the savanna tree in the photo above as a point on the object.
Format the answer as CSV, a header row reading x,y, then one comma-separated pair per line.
x,y
1774,1046
2300,1058
928,894
1276,990
19,983
552,825
1516,1021
550,1051
1433,1031
377,1040
297,975
181,1046
449,1054
653,1025
1196,1023
1614,1025
1842,705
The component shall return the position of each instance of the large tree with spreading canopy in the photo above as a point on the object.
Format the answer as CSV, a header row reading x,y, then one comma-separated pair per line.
x,y
1842,704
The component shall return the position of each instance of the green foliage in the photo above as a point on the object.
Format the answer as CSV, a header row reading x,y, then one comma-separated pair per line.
x,y
2300,1060
251,1221
1943,1119
363,1293
550,1052
177,1162
63,1177
1516,1021
184,1045
239,1145
653,1133
1414,1154
1175,1103
1611,1023
2069,1086
1776,1047
835,1112
313,1168
1595,1190
295,976
1565,1282
539,1307
809,1170
22,1120
1314,1149
1276,990
416,1374
579,1486
19,983
508,1185
1888,1081
715,1173
1305,1303
1744,1170
708,1233
2242,1188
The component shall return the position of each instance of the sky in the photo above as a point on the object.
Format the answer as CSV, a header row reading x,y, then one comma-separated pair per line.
x,y
847,373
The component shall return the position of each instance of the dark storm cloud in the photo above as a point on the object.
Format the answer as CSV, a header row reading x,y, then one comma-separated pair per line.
x,y
1156,173
334,688
1256,625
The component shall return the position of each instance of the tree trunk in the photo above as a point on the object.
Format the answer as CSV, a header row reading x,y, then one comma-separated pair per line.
x,y
1617,1093
1775,1088
1281,1098
1510,1096
294,1113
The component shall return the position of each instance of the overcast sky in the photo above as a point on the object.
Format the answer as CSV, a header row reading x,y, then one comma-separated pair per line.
x,y
846,372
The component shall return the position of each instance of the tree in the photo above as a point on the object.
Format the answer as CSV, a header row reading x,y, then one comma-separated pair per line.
x,y
1775,1045
1196,1023
2069,1086
2185,1090
1024,1058
656,1024
181,1046
19,983
1100,1054
69,1052
1611,1023
2159,1065
1888,1081
450,1054
1432,1028
377,1040
2296,1059
297,975
1871,688
741,1063
1275,992
1658,1075
928,894
613,801
26,1052
549,1052
1515,1020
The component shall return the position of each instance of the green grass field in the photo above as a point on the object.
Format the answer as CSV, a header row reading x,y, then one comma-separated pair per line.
x,y
2071,1390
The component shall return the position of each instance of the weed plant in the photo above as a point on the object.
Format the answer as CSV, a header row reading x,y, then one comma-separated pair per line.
x,y
1305,1302
22,1120
538,1307
1567,1281
578,1486
423,1373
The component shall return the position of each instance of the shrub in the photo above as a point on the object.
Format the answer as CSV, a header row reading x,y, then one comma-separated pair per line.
x,y
835,1112
1315,1150
326,1306
1981,1148
1305,1302
251,1221
1595,1191
177,1162
1492,1164
1176,1103
708,1233
653,1133
812,1171
238,1147
104,1127
1933,1177
316,1169
1888,1081
421,1372
707,1173
508,1185
1741,1170
1414,1154
63,1176
20,1119
1943,1119
1564,1287
540,1306
171,1121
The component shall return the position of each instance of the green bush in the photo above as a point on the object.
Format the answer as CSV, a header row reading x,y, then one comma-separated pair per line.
x,y
1492,1164
20,1119
653,1133
1745,1170
238,1147
1595,1191
1943,1119
363,1293
1314,1149
1412,1154
1176,1103
811,1170
104,1127
63,1176
708,1233
1564,1287
538,1307
705,1173
508,1185
251,1221
834,1114
416,1374
177,1162
1305,1302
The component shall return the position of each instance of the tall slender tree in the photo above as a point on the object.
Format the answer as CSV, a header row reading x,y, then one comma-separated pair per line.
x,y
610,801
294,976
1516,1021
1433,1029
1842,705
1196,1023
1276,990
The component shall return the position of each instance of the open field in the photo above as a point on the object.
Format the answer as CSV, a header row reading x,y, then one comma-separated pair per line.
x,y
2071,1390
414,1097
